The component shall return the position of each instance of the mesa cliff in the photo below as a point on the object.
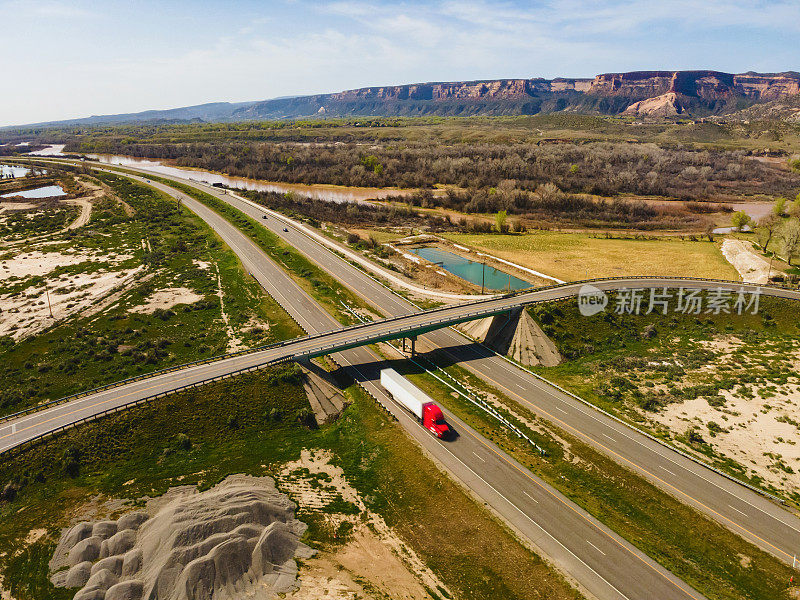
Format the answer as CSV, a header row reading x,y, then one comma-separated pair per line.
x,y
653,93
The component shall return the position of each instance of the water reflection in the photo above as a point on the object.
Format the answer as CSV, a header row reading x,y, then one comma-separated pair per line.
x,y
48,191
474,272
319,192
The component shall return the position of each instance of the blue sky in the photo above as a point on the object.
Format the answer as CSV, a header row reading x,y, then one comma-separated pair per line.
x,y
73,59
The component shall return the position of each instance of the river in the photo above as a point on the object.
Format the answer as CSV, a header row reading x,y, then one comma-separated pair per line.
x,y
318,191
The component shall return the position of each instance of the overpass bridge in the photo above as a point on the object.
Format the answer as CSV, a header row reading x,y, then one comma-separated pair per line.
x,y
42,420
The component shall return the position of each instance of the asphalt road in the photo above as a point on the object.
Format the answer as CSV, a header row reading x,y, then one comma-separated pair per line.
x,y
747,513
601,563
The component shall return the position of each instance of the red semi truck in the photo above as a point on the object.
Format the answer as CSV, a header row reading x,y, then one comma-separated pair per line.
x,y
415,401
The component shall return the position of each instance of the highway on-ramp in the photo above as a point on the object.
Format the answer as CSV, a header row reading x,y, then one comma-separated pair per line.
x,y
596,559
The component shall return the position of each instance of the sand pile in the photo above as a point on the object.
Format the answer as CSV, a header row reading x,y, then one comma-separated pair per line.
x,y
752,267
237,540
517,335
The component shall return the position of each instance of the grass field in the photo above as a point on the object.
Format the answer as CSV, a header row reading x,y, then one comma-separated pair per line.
x,y
611,362
81,352
319,284
254,424
715,561
575,256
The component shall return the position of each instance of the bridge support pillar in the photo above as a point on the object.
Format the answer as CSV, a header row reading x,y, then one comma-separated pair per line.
x,y
413,345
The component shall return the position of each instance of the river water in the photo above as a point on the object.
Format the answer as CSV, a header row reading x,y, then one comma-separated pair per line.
x,y
319,192
474,272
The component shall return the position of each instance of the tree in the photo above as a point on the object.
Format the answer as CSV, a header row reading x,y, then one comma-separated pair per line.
x,y
779,206
710,231
794,207
791,239
740,220
500,221
767,226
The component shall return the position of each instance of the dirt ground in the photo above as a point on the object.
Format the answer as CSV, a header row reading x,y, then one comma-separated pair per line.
x,y
758,424
751,267
374,563
167,298
28,311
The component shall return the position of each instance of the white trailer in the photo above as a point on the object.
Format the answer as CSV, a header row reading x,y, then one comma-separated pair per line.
x,y
415,401
404,392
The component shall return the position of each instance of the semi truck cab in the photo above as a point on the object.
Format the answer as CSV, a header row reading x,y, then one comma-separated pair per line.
x,y
433,420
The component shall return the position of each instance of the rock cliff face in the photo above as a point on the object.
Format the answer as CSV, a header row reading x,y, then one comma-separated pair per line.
x,y
653,93
706,85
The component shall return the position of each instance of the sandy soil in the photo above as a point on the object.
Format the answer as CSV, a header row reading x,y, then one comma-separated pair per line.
x,y
84,216
234,343
759,426
750,266
27,312
752,433
374,553
167,298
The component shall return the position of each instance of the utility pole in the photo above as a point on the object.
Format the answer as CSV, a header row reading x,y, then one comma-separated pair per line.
x,y
47,293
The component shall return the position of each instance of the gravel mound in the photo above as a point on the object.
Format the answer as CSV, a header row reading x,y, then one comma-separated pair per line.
x,y
238,539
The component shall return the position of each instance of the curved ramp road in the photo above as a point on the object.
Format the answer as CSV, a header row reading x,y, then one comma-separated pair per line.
x,y
596,559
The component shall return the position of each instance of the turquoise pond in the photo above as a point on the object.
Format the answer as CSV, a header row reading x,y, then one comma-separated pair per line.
x,y
472,271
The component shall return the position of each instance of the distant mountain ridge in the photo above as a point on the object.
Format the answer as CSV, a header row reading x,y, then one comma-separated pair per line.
x,y
642,93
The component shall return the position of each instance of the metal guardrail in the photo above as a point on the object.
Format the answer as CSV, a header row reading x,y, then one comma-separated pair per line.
x,y
142,400
426,325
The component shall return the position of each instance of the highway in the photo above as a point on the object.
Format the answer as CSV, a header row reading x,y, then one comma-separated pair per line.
x,y
598,561
747,513
751,515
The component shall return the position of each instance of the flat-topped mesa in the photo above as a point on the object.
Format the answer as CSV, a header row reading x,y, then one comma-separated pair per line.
x,y
707,85
494,89
769,86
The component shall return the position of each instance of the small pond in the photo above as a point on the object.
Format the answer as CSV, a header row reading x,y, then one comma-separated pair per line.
x,y
48,191
9,171
474,272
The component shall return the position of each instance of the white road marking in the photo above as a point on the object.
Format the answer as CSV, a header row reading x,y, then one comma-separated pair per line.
x,y
479,458
529,496
609,437
560,409
667,470
737,510
595,547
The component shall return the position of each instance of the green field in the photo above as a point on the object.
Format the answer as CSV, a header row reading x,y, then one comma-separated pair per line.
x,y
253,424
80,353
576,256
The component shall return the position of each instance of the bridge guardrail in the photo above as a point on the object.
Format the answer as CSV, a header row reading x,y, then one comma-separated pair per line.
x,y
357,326
138,401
